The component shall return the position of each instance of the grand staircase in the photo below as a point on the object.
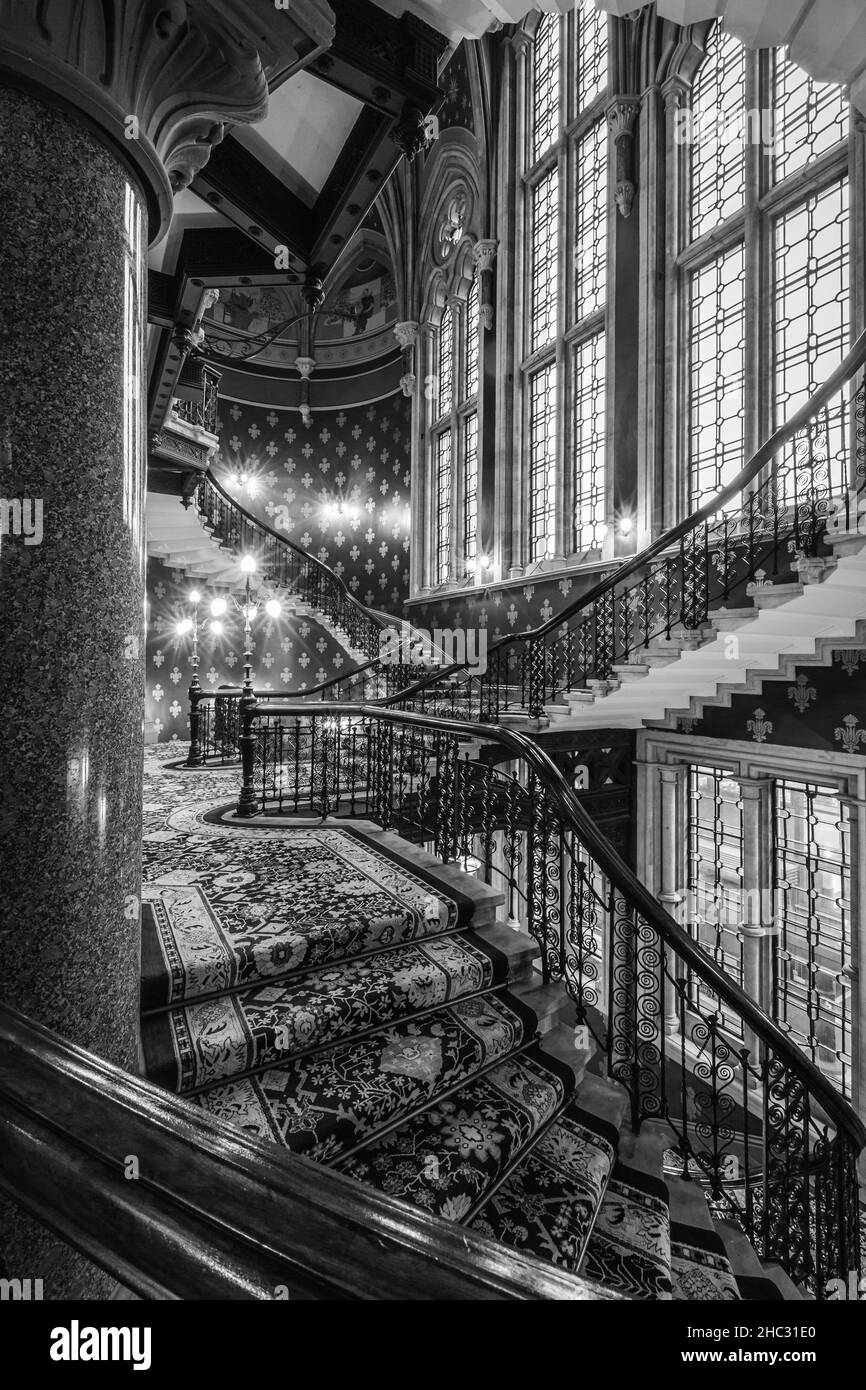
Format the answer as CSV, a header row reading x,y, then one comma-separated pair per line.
x,y
339,992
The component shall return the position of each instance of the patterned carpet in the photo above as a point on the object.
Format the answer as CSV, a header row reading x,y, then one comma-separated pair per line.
x,y
547,1206
317,991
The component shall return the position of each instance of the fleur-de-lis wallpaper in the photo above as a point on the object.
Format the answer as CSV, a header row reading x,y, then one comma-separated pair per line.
x,y
288,654
820,707
339,489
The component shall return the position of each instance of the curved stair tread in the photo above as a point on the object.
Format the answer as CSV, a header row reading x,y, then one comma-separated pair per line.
x,y
289,900
328,1104
199,1044
629,1249
548,1204
450,1157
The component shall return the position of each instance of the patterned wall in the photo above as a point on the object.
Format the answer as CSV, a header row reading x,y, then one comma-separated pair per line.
x,y
503,610
288,654
353,458
820,707
457,108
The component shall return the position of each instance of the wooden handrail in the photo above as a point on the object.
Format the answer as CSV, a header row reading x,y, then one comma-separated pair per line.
x,y
214,1213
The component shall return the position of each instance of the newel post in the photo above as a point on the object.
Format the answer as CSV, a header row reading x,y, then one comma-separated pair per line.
x,y
194,757
247,804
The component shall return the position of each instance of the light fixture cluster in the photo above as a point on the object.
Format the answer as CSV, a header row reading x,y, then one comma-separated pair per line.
x,y
218,610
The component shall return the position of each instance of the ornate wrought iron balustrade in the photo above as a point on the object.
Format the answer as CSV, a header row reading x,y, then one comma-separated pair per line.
x,y
774,1143
807,480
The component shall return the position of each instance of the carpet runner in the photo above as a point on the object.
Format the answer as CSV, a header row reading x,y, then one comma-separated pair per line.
x,y
328,1104
548,1205
449,1157
315,990
200,1043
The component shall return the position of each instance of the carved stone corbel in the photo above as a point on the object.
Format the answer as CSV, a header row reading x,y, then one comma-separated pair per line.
x,y
622,114
406,334
484,258
160,78
305,366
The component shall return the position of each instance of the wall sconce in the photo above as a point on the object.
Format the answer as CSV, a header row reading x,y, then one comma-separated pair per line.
x,y
626,525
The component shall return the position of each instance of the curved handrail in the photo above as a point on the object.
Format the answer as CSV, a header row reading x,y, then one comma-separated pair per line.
x,y
216,1213
372,614
764,455
621,876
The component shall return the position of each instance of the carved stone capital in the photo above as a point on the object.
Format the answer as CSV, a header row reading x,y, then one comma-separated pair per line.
x,y
622,114
305,366
484,253
407,384
406,333
160,78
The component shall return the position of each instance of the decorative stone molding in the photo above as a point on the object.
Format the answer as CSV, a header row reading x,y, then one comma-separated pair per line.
x,y
406,334
160,78
305,366
622,113
484,257
452,221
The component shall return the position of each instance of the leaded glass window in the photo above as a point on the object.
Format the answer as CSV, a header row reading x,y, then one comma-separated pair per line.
x,y
546,85
544,263
454,439
770,182
814,959
443,507
716,346
590,423
715,881
566,187
470,488
542,464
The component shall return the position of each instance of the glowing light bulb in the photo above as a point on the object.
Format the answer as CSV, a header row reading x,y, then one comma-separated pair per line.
x,y
272,608
625,525
248,564
218,607
183,627
216,629
194,596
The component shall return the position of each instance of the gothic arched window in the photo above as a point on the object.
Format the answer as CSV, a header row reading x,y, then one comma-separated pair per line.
x,y
566,189
454,436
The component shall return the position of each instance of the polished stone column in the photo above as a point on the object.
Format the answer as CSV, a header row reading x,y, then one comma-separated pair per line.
x,y
106,109
72,302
